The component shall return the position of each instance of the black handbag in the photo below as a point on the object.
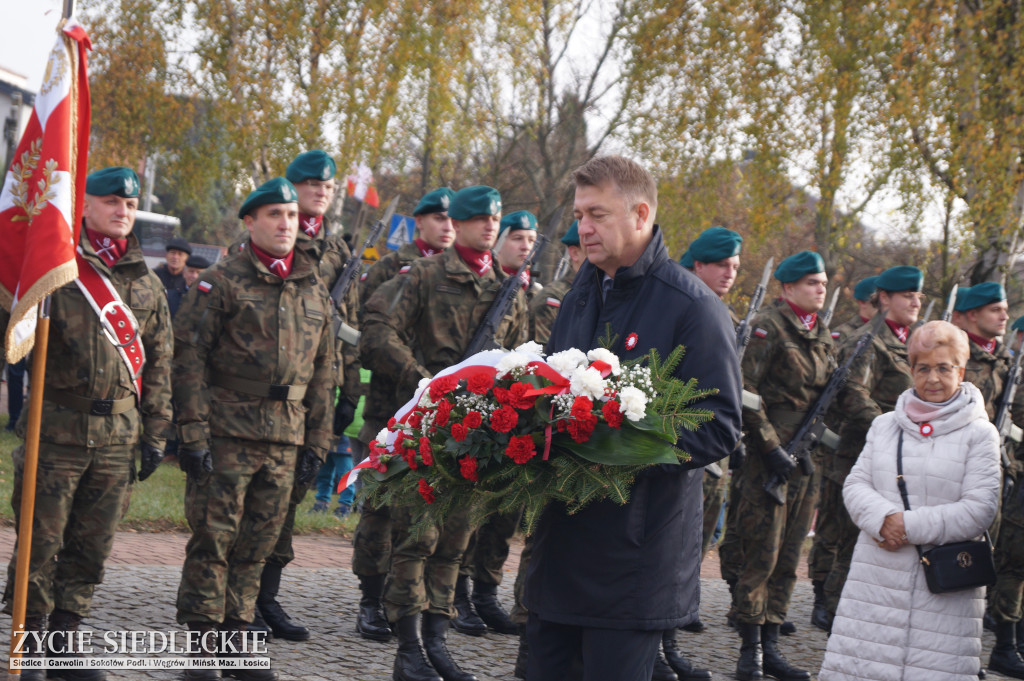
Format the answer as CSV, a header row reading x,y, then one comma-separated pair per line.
x,y
951,567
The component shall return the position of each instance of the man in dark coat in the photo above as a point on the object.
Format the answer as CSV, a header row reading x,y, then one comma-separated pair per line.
x,y
605,582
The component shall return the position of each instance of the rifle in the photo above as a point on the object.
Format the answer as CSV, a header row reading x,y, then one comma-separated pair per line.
x,y
1007,430
743,330
827,317
928,311
812,429
947,314
484,336
348,274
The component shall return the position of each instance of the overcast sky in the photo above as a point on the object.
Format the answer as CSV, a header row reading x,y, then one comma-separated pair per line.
x,y
29,36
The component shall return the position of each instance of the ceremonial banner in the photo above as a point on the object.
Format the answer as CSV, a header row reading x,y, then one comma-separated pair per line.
x,y
41,201
360,186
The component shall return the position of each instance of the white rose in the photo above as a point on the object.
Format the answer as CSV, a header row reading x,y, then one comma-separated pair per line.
x,y
567,361
606,356
588,382
510,362
632,403
532,348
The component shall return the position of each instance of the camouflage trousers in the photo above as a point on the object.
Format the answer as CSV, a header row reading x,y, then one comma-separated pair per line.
x,y
372,542
283,552
80,497
827,529
714,496
729,556
488,548
1004,597
236,514
771,538
424,564
519,613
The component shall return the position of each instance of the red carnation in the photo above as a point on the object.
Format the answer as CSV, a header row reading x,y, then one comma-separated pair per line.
x,y
398,445
459,432
415,419
473,419
504,419
442,413
515,396
440,387
392,422
426,453
581,405
467,466
480,383
521,449
611,414
582,427
561,425
426,491
410,457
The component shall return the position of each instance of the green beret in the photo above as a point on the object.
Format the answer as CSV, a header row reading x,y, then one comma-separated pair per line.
x,y
900,278
971,297
117,180
520,219
278,190
436,201
469,202
311,165
1018,324
686,260
796,266
864,288
572,237
714,244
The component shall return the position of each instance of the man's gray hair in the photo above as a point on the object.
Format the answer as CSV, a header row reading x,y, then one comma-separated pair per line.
x,y
631,178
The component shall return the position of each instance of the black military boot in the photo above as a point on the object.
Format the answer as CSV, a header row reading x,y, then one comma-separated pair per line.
x,y
370,622
67,622
819,613
1005,659
523,655
662,672
680,665
236,630
750,665
205,648
411,662
694,627
485,602
774,663
273,614
31,647
466,620
787,628
435,630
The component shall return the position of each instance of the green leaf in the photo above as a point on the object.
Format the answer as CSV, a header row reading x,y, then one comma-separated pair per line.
x,y
621,448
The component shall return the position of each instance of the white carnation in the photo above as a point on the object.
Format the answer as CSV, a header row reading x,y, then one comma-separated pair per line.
x,y
606,356
632,403
587,381
382,436
424,382
530,347
567,361
510,362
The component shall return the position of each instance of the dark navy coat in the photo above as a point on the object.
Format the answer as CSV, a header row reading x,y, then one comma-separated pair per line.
x,y
637,566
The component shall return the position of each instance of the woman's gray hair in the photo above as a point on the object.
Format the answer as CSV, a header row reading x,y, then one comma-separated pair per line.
x,y
935,335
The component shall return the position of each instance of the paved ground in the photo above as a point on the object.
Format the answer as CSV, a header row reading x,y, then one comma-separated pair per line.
x,y
142,578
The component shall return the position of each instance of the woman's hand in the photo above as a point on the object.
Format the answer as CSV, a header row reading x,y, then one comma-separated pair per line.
x,y
893,532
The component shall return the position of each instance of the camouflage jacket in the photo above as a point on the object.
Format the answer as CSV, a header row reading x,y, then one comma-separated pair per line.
x,y
844,330
239,321
386,268
987,371
877,379
422,321
788,366
544,307
81,361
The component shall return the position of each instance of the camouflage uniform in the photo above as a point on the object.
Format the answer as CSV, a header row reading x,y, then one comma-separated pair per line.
x,y
240,331
440,303
877,379
544,310
844,330
371,542
86,460
788,366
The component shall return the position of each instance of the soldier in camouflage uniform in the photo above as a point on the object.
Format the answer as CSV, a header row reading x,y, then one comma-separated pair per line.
x,y
440,303
876,380
544,308
826,531
788,362
312,174
254,368
95,417
371,543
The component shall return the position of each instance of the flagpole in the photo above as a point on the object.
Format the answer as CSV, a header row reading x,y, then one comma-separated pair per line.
x,y
28,479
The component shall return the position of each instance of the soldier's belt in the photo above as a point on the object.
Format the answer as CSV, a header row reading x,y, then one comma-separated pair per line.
x,y
272,391
86,405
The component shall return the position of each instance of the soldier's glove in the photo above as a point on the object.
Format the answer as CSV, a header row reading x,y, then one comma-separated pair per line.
x,y
151,458
309,465
738,456
195,462
780,463
344,415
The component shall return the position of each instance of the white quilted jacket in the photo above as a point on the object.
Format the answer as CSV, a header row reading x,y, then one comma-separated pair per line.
x,y
888,626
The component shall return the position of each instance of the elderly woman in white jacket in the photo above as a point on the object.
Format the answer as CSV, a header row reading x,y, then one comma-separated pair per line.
x,y
888,625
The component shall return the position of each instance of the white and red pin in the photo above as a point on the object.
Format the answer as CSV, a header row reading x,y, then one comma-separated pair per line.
x,y
553,302
631,341
927,429
760,333
205,286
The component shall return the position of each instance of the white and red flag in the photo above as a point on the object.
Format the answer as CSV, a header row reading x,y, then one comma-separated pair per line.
x,y
360,185
41,201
